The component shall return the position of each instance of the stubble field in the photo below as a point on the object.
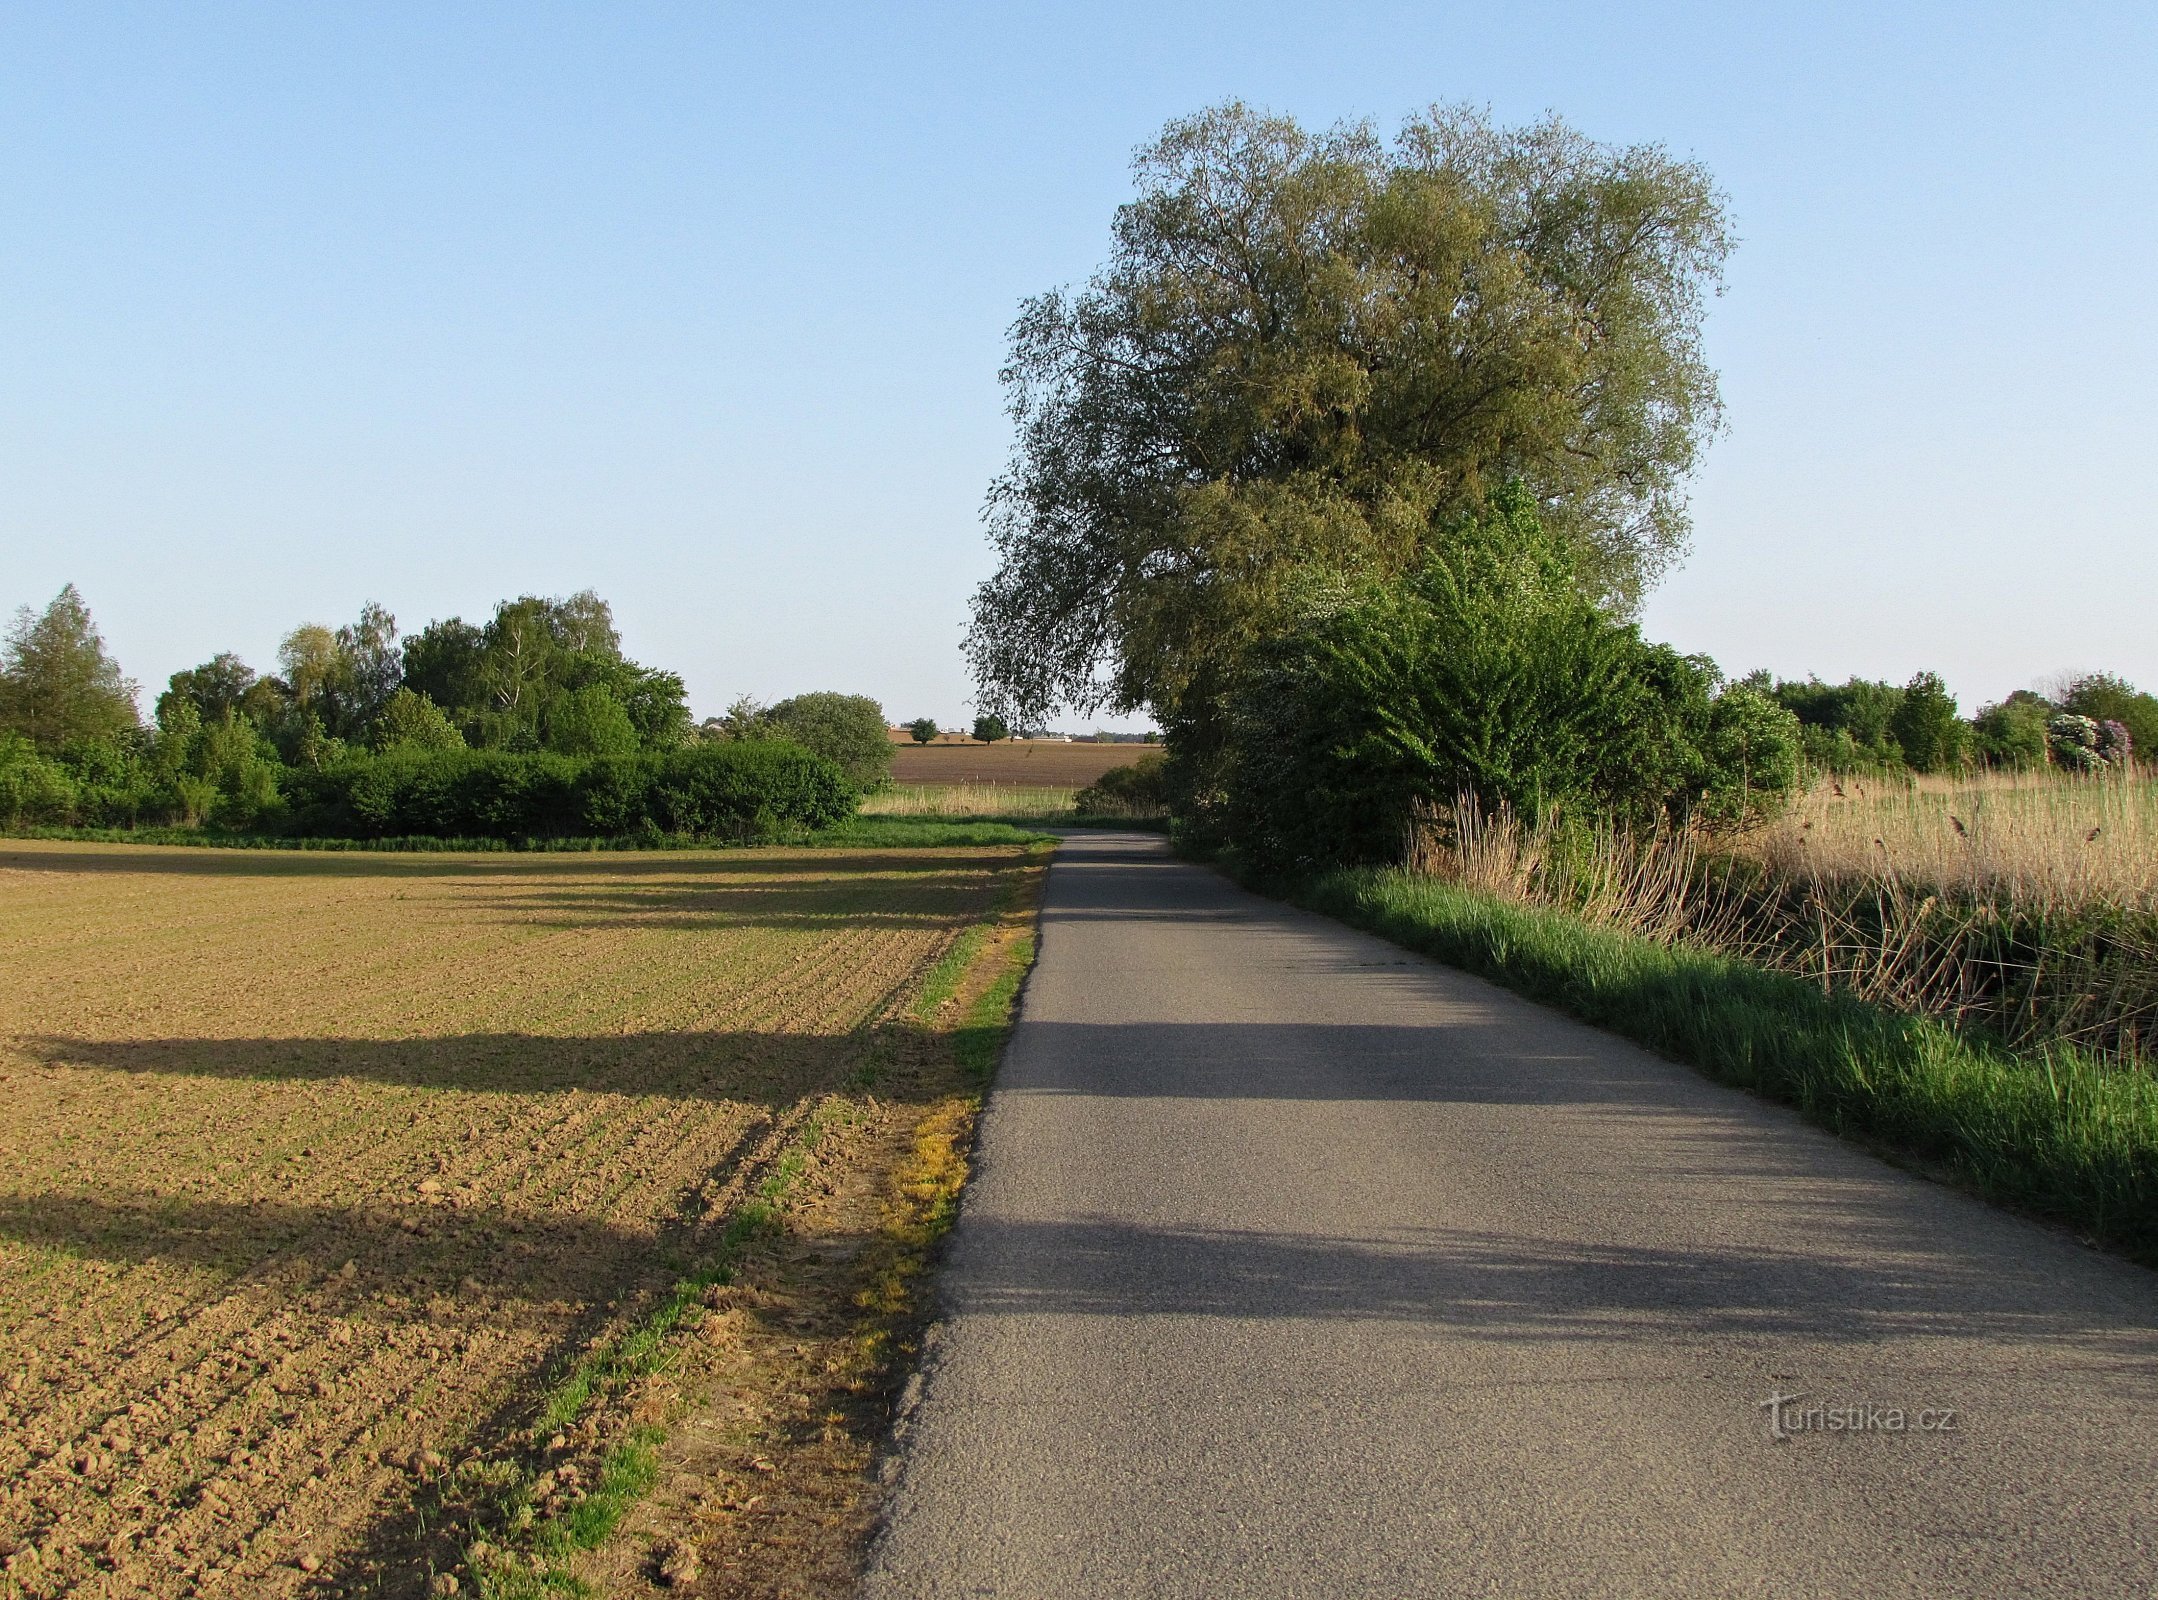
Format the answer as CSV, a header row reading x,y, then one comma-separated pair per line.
x,y
317,1169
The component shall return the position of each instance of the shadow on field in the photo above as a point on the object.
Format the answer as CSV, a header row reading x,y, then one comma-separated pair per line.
x,y
919,900
412,1248
750,1067
1468,1059
1513,1287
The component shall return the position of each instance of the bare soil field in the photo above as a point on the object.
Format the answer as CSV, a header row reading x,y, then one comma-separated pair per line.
x,y
318,1171
1038,765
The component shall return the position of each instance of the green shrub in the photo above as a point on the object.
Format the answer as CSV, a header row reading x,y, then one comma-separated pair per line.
x,y
1926,726
1752,756
1485,672
115,787
1139,789
749,789
412,722
847,730
2012,735
1844,727
737,790
590,722
34,789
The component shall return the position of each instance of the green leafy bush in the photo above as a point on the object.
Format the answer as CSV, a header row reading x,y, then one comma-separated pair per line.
x,y
1753,758
1844,727
1926,726
848,730
1141,789
411,721
2012,735
738,790
590,722
1484,672
34,789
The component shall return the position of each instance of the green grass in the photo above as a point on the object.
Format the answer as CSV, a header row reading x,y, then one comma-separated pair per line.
x,y
628,1468
942,980
978,1042
2056,1133
911,832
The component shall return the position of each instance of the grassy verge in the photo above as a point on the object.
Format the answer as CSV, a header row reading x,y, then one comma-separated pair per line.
x,y
907,832
926,1189
537,1540
536,1533
2056,1133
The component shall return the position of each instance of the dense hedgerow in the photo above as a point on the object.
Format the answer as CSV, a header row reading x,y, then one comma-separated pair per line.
x,y
746,790
1485,672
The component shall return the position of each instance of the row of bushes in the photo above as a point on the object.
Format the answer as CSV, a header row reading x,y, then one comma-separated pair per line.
x,y
748,790
743,790
219,776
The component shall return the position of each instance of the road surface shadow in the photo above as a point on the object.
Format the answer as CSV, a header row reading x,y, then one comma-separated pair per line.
x,y
1509,1287
1475,1055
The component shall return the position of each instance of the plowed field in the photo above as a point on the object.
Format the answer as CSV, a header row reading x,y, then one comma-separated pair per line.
x,y
314,1167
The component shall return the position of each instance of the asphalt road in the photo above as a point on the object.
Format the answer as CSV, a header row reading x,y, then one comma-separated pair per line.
x,y
1297,1265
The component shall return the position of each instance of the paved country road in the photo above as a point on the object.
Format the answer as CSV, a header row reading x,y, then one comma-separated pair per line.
x,y
1297,1265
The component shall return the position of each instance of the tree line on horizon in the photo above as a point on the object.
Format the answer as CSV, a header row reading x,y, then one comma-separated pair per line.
x,y
541,677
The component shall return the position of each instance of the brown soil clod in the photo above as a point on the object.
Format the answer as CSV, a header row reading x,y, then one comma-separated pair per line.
x,y
678,1565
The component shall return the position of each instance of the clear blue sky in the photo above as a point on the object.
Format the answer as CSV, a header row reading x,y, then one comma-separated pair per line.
x,y
702,306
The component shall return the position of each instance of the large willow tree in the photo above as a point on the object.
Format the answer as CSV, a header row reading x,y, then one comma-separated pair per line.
x,y
1321,351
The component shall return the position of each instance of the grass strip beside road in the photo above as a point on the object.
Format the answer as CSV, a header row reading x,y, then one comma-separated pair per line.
x,y
533,1557
2058,1134
532,1553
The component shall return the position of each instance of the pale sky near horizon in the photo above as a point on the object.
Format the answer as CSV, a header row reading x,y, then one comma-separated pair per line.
x,y
703,306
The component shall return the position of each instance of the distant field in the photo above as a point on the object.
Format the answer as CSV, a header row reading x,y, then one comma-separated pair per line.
x,y
1049,766
315,1167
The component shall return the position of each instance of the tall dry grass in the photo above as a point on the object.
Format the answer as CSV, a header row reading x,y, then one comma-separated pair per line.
x,y
2041,840
969,800
1009,801
2028,908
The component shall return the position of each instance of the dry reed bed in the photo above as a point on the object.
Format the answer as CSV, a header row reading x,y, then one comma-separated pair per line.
x,y
2025,907
2039,841
970,800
